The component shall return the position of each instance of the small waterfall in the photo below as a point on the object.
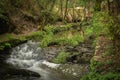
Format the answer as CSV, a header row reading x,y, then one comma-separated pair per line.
x,y
26,55
30,56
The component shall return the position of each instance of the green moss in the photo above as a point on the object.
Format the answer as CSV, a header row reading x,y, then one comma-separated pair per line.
x,y
61,58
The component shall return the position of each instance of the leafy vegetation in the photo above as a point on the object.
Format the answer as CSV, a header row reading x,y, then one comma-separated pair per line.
x,y
5,45
102,18
97,76
49,35
74,40
101,23
94,64
61,58
109,51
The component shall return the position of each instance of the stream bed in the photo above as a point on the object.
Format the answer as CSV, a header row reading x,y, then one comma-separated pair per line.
x,y
29,56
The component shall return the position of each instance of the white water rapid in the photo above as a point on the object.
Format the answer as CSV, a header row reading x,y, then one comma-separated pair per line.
x,y
29,56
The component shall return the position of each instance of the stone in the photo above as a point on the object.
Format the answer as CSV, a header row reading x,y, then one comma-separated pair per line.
x,y
7,71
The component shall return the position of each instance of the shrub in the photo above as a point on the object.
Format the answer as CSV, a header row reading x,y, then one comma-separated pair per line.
x,y
46,40
49,29
101,23
73,41
97,76
61,58
88,32
5,45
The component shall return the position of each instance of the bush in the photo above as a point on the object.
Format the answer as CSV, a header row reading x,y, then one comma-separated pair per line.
x,y
46,40
73,40
48,36
61,58
97,76
5,45
88,32
102,23
47,17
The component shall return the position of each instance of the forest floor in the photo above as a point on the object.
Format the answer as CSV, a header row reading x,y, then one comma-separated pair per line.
x,y
11,36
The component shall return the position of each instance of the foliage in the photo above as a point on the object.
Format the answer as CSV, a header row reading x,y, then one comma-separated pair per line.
x,y
5,45
61,58
88,32
49,35
46,40
97,76
74,40
109,62
94,64
47,17
37,36
49,29
8,45
109,51
101,23
62,28
10,37
3,13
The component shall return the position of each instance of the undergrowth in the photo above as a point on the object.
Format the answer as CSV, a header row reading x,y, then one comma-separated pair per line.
x,y
97,76
48,35
5,45
61,58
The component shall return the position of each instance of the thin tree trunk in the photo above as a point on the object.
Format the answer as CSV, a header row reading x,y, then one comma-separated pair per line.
x,y
52,5
66,9
73,17
61,8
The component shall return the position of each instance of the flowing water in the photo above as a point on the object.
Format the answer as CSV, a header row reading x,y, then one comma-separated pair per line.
x,y
31,57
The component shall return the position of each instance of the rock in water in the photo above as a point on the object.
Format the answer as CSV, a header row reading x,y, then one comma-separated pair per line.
x,y
8,71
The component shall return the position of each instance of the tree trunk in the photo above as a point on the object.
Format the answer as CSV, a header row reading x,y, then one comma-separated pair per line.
x,y
115,12
73,17
66,6
61,8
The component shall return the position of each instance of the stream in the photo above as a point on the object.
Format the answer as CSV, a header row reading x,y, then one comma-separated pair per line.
x,y
30,56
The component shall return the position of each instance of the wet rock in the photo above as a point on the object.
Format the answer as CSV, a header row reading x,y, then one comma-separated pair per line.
x,y
52,51
7,71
